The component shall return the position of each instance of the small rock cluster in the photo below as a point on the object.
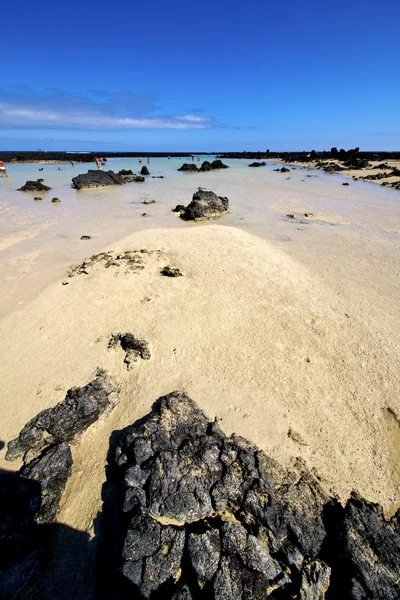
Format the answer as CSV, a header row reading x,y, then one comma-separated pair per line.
x,y
133,347
205,166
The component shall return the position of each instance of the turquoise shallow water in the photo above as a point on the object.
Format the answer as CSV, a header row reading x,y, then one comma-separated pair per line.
x,y
39,240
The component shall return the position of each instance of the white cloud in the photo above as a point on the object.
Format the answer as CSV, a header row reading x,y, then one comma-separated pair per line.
x,y
116,111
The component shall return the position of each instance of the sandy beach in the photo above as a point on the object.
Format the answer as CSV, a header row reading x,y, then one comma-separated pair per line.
x,y
284,329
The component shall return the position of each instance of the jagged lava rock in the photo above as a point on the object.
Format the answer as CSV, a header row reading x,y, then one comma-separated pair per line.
x,y
204,205
204,515
200,502
81,407
34,186
284,170
145,171
94,179
205,166
52,470
257,164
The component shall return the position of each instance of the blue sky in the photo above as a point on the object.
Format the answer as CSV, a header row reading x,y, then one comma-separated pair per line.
x,y
200,76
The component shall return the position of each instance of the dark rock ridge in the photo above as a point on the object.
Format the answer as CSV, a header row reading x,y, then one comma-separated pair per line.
x,y
133,347
205,166
29,499
204,515
204,205
94,179
62,423
34,186
257,164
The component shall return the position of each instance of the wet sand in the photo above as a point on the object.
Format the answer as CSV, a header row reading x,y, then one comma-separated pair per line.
x,y
277,323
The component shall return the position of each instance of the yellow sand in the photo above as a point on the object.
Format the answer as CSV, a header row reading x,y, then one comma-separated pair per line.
x,y
252,335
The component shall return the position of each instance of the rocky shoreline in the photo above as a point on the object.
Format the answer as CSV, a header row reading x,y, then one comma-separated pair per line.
x,y
194,514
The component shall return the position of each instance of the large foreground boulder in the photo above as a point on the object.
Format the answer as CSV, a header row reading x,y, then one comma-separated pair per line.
x,y
34,186
204,515
205,205
94,179
81,407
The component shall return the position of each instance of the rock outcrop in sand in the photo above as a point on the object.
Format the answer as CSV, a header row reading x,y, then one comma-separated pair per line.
x,y
133,347
34,186
62,423
211,516
95,179
29,499
204,205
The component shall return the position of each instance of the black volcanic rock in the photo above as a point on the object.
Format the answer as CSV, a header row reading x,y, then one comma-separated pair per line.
x,y
188,167
81,407
257,164
125,173
205,166
284,170
34,186
133,347
178,208
204,205
218,164
94,179
52,470
356,162
204,515
145,171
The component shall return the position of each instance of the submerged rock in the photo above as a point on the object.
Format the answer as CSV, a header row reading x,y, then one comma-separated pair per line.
x,y
81,407
284,170
34,186
204,515
257,164
94,179
134,348
204,205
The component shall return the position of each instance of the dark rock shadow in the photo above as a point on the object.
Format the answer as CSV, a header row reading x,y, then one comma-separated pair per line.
x,y
46,562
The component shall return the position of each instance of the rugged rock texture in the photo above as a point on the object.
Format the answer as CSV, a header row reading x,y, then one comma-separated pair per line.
x,y
257,164
51,470
94,179
204,205
204,516
125,173
145,171
170,272
34,186
133,347
63,422
284,170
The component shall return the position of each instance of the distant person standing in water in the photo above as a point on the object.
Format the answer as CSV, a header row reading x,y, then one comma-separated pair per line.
x,y
148,160
72,163
97,161
3,169
140,160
